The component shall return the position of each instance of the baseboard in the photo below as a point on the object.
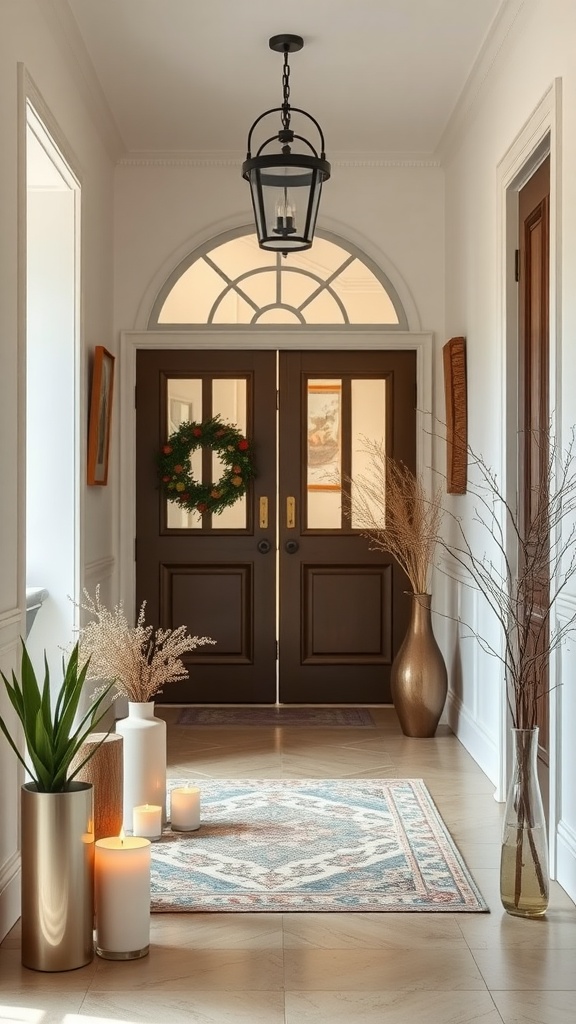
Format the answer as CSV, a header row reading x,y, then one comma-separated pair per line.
x,y
477,742
9,894
566,858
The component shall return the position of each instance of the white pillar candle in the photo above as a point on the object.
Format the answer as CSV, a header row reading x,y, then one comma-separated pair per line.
x,y
185,809
122,897
147,821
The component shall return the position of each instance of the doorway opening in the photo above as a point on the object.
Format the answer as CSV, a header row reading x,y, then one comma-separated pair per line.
x,y
52,421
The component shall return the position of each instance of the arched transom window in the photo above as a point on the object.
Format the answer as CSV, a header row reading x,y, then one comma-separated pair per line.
x,y
236,282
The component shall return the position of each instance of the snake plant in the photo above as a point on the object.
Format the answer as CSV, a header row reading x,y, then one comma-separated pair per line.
x,y
51,737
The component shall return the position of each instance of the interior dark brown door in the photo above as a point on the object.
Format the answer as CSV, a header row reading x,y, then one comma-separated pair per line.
x,y
534,202
214,574
343,608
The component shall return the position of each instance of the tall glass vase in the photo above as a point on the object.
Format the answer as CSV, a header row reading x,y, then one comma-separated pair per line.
x,y
419,679
524,878
144,738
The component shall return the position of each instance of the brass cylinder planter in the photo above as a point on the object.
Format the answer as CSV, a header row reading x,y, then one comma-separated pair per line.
x,y
57,878
419,679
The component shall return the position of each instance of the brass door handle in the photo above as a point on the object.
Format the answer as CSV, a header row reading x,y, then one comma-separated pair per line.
x,y
290,513
263,514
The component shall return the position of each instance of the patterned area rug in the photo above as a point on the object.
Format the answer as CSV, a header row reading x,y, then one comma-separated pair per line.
x,y
313,845
314,718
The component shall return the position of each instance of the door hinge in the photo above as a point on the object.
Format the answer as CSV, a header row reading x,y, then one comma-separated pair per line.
x,y
277,651
517,265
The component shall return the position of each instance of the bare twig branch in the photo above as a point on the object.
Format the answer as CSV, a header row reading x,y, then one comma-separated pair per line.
x,y
522,595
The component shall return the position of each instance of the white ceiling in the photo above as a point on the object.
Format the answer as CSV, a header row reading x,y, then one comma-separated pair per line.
x,y
381,76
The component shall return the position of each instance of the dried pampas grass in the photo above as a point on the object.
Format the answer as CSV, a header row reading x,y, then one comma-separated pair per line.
x,y
389,505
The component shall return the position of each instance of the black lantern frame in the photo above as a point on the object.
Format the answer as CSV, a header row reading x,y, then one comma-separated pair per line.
x,y
286,186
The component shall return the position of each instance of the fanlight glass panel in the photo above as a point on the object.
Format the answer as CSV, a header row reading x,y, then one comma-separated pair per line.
x,y
361,293
239,255
193,295
233,309
278,315
261,288
295,288
323,285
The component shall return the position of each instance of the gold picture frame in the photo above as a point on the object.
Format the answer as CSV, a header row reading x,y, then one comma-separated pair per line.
x,y
101,395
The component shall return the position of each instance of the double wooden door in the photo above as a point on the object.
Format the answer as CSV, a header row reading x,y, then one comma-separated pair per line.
x,y
300,608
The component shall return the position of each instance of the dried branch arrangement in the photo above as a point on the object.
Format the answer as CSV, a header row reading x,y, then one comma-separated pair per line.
x,y
522,590
391,508
139,660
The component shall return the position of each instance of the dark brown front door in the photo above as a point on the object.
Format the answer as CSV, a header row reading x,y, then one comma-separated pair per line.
x,y
534,201
207,572
342,609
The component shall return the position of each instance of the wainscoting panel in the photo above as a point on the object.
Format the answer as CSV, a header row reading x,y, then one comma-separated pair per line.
x,y
11,778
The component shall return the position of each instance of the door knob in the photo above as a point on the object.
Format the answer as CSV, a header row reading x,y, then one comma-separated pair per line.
x,y
264,546
291,546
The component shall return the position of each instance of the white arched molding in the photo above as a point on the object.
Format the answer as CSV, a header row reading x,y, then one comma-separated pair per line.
x,y
245,337
350,241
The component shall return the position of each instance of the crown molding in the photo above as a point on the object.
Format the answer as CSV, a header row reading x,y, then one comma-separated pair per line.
x,y
490,55
153,158
64,28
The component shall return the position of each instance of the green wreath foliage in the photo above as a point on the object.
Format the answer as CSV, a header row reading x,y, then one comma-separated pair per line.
x,y
176,480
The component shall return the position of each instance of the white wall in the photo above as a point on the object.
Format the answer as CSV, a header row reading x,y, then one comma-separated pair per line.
x,y
30,33
539,49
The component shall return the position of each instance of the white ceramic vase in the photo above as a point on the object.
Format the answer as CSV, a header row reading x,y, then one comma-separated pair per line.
x,y
144,738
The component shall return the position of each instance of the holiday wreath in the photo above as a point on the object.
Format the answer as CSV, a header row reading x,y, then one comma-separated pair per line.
x,y
177,481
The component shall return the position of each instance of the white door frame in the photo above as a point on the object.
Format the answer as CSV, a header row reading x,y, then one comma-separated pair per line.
x,y
539,138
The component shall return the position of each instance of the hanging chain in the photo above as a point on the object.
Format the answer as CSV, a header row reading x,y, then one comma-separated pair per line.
x,y
286,93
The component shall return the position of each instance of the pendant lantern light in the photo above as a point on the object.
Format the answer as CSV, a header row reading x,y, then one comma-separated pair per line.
x,y
286,185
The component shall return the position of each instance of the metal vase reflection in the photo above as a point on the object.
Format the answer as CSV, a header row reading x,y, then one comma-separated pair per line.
x,y
418,678
57,878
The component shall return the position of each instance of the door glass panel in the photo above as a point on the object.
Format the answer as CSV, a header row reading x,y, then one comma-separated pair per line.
x,y
229,401
184,404
324,448
368,421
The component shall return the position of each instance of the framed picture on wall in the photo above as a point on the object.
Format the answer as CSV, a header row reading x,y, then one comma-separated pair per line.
x,y
100,415
454,357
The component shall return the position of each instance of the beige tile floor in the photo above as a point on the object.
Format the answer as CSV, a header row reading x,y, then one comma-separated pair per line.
x,y
328,968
